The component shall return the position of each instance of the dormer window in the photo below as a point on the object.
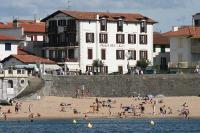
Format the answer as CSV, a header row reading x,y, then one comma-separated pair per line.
x,y
143,26
120,23
103,23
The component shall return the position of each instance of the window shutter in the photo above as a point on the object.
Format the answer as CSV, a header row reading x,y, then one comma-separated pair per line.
x,y
134,38
134,54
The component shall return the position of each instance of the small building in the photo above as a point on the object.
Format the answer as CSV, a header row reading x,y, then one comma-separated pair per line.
x,y
161,51
8,45
29,62
185,45
31,31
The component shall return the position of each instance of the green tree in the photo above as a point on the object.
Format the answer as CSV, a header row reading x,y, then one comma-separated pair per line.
x,y
97,64
142,63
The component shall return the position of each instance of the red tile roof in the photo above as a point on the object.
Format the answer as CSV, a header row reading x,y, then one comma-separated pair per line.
x,y
188,31
160,39
30,59
80,15
28,25
8,38
22,52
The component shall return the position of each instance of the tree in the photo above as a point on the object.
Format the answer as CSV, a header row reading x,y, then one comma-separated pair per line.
x,y
97,64
142,63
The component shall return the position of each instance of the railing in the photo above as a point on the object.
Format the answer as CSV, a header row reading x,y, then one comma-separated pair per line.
x,y
61,44
65,59
195,49
182,64
13,73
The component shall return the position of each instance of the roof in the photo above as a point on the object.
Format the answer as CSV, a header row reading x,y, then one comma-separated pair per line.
x,y
28,25
8,38
30,59
80,15
160,39
21,51
186,31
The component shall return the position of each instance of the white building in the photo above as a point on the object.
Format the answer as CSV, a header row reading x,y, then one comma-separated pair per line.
x,y
161,51
185,45
31,31
78,38
8,46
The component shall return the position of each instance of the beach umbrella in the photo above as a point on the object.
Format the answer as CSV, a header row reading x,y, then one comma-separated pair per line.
x,y
150,96
160,96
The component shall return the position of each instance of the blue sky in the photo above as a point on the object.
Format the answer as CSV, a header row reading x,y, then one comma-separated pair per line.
x,y
167,12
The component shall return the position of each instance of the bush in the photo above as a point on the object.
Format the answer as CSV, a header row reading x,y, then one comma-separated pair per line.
x,y
142,63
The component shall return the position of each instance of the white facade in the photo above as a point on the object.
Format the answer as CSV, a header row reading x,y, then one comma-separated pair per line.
x,y
81,52
5,53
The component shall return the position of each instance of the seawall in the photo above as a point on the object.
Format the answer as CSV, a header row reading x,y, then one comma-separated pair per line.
x,y
123,85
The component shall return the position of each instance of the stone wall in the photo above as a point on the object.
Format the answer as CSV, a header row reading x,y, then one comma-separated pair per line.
x,y
124,85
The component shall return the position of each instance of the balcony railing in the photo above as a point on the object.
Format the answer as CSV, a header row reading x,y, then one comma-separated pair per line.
x,y
61,44
65,59
195,49
183,64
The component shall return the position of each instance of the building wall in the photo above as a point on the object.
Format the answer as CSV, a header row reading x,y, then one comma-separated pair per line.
x,y
4,53
84,27
112,46
180,46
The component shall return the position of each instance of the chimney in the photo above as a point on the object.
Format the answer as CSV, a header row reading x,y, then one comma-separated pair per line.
x,y
175,28
15,23
97,16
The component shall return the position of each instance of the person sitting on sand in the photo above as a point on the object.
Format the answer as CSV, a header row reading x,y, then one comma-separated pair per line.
x,y
38,115
170,110
31,116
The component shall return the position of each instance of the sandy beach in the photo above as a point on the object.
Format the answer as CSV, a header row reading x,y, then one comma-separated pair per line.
x,y
66,107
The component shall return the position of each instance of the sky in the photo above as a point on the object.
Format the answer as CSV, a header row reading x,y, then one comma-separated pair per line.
x,y
167,12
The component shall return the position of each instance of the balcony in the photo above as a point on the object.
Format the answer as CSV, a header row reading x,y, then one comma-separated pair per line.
x,y
195,49
65,59
69,29
51,30
62,44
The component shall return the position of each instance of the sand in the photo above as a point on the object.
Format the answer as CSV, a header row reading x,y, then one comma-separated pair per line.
x,y
49,108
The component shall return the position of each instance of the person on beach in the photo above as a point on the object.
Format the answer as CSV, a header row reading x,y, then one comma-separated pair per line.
x,y
5,116
154,107
16,107
29,108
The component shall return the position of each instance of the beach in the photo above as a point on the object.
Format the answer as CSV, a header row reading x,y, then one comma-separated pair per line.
x,y
51,107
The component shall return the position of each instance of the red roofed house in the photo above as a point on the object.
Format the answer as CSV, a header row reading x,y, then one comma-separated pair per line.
x,y
161,51
8,46
185,45
30,62
77,38
31,31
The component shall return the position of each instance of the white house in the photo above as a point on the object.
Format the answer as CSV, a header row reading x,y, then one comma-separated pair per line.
x,y
31,31
75,39
8,46
161,51
185,45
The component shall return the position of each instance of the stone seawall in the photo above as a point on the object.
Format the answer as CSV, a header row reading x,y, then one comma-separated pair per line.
x,y
123,85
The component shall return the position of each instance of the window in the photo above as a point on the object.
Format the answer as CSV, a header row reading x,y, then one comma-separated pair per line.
x,y
132,38
143,26
154,49
103,23
53,23
7,46
35,37
143,39
103,38
119,38
120,23
120,54
90,37
71,53
90,54
143,55
132,54
162,49
62,23
89,69
103,54
104,69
